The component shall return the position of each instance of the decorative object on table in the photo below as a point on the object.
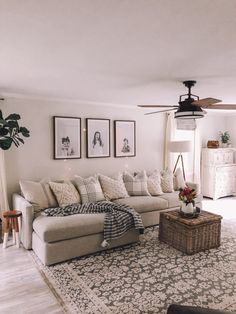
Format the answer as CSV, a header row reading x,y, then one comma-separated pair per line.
x,y
180,147
67,137
213,144
98,138
187,197
224,137
125,138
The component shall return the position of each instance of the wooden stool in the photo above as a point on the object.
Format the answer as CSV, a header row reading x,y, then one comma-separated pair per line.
x,y
10,220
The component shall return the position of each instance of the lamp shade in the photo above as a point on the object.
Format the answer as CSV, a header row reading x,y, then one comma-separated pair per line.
x,y
180,146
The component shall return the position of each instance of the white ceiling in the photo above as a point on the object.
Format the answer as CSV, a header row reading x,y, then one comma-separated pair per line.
x,y
118,51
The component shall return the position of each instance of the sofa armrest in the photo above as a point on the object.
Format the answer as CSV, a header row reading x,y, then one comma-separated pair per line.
x,y
27,209
194,186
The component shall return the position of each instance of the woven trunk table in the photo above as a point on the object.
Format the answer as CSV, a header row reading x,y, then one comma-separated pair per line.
x,y
190,235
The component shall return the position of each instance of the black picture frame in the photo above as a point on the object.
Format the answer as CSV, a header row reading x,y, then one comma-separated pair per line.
x,y
67,137
124,138
97,138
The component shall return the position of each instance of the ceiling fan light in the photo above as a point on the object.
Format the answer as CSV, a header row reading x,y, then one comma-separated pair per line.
x,y
189,114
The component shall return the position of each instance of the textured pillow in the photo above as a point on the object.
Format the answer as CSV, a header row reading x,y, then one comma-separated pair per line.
x,y
90,189
167,181
136,185
66,193
154,183
34,193
113,188
178,180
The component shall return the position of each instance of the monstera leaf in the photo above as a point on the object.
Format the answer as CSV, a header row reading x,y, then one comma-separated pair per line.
x,y
11,132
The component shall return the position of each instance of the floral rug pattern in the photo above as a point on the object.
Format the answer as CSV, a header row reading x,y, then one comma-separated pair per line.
x,y
145,278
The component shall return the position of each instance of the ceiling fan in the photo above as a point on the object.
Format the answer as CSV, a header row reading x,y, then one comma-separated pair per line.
x,y
190,106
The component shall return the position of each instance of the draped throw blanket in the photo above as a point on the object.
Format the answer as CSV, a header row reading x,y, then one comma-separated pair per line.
x,y
119,218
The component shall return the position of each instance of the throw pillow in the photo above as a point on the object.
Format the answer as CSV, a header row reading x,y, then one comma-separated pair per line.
x,y
52,201
179,182
34,193
136,185
167,181
154,183
90,189
113,187
66,193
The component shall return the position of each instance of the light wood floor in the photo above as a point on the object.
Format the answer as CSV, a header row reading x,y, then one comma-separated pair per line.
x,y
23,290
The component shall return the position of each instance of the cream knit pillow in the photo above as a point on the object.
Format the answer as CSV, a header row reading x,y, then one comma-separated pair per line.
x,y
154,183
167,181
34,193
66,193
113,187
179,182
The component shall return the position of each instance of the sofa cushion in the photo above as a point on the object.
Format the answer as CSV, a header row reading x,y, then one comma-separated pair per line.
x,y
136,185
167,181
52,229
154,183
34,193
65,193
89,188
143,204
173,199
113,187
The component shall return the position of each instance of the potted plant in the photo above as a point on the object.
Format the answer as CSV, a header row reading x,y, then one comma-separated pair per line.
x,y
10,133
224,138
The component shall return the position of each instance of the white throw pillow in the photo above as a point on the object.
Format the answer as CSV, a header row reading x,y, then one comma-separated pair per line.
x,y
90,189
154,183
52,201
167,181
136,185
66,193
113,187
34,193
179,182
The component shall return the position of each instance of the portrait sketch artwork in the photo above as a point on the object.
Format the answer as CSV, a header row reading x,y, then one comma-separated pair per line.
x,y
124,138
67,137
98,138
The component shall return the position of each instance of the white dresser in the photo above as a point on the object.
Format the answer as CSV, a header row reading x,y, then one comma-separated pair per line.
x,y
218,172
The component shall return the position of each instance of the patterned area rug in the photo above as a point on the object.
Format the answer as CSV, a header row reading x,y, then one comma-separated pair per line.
x,y
146,278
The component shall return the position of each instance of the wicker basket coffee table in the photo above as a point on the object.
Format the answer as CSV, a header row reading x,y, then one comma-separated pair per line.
x,y
190,235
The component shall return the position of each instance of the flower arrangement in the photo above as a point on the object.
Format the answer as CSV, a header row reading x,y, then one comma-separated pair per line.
x,y
187,195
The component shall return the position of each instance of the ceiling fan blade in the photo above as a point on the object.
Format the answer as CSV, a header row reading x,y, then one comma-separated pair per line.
x,y
146,114
223,106
205,102
158,106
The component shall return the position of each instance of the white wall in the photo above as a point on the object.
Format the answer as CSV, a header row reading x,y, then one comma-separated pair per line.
x,y
231,128
34,160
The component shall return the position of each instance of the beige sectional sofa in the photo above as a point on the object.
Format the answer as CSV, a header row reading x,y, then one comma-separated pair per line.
x,y
55,239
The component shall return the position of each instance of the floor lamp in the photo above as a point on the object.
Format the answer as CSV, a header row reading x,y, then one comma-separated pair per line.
x,y
180,147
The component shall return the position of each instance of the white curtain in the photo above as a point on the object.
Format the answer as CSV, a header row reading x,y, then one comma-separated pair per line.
x,y
197,157
169,136
4,206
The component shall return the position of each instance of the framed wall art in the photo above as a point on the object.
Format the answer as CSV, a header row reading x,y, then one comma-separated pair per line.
x,y
67,137
98,138
125,138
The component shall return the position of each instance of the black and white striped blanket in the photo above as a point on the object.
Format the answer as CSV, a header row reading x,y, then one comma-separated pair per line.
x,y
119,218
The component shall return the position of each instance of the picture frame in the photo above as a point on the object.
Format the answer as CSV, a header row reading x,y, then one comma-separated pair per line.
x,y
67,137
125,138
97,138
